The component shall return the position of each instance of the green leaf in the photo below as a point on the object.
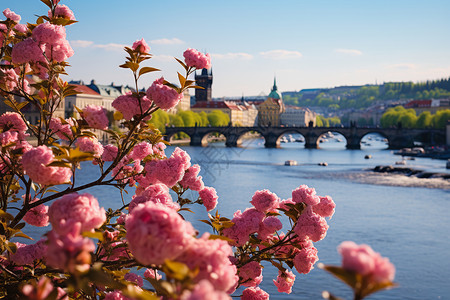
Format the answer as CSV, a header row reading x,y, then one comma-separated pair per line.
x,y
145,70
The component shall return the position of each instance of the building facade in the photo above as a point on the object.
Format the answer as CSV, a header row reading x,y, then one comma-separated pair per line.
x,y
297,116
269,111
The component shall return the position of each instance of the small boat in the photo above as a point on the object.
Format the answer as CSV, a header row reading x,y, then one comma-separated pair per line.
x,y
290,163
323,164
401,162
368,156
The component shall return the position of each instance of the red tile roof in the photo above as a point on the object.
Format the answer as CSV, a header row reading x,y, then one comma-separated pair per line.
x,y
85,90
418,103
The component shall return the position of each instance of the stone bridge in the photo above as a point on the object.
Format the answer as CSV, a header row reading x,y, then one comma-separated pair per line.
x,y
397,137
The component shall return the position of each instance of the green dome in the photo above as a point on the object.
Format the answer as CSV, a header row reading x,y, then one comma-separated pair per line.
x,y
274,94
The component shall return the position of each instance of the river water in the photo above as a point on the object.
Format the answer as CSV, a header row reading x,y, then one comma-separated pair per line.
x,y
404,219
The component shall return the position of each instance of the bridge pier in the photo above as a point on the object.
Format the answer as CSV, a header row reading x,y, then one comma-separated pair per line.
x,y
196,140
271,140
353,143
311,141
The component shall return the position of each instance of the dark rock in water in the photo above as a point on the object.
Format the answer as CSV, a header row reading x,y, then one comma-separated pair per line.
x,y
410,172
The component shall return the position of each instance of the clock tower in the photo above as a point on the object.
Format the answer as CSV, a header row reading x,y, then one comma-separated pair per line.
x,y
204,80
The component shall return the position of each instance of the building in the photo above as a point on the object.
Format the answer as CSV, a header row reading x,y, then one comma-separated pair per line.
x,y
204,80
269,111
240,114
431,105
298,116
86,96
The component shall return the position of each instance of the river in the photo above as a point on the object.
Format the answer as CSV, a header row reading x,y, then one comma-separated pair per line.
x,y
404,219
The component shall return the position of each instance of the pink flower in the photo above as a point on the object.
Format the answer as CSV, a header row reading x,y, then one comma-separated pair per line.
x,y
268,227
62,11
305,259
129,105
27,254
12,121
285,281
194,58
95,116
11,15
245,224
311,225
168,171
209,198
141,46
8,137
63,131
90,144
325,207
116,295
9,78
162,95
35,163
141,151
158,194
49,33
363,260
23,28
37,216
39,292
159,149
156,233
109,153
191,180
306,195
59,52
254,293
204,290
27,51
70,252
251,274
76,208
134,278
152,273
265,201
211,257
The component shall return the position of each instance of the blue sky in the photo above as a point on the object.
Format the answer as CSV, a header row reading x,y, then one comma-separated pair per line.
x,y
305,44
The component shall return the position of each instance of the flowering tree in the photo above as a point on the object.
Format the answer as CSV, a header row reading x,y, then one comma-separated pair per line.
x,y
93,253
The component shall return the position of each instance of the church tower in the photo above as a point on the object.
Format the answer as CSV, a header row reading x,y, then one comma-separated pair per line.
x,y
204,80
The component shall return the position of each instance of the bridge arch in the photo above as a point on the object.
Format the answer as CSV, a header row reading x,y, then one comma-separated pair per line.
x,y
207,137
172,136
374,139
285,137
236,137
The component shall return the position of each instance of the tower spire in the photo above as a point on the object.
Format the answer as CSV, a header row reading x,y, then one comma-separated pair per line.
x,y
274,84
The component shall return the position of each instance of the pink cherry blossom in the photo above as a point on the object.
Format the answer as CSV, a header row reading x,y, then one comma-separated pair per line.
x,y
153,274
167,171
23,28
35,163
141,46
325,207
9,78
254,293
156,233
130,106
8,137
157,193
70,252
132,277
306,195
268,227
109,153
245,224
62,11
49,33
90,144
311,225
305,259
37,216
58,52
191,180
116,295
251,274
11,15
265,201
63,131
39,292
209,197
26,254
285,281
27,51
141,151
194,58
363,260
211,257
162,95
204,290
76,208
95,116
